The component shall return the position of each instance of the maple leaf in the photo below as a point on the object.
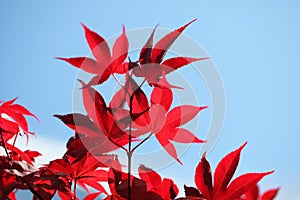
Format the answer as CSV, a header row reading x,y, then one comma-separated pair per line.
x,y
221,187
132,96
46,183
253,194
150,186
91,135
151,57
100,114
8,181
12,118
107,62
84,172
166,126
14,175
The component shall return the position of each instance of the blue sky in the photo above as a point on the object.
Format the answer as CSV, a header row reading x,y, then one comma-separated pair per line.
x,y
254,45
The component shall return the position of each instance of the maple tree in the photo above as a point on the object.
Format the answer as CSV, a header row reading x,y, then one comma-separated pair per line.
x,y
126,122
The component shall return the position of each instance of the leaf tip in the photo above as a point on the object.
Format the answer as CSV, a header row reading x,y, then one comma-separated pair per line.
x,y
204,155
202,108
83,25
83,84
123,29
243,145
179,162
270,172
191,22
63,59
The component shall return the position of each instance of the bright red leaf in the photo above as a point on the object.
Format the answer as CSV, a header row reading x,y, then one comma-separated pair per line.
x,y
106,62
222,188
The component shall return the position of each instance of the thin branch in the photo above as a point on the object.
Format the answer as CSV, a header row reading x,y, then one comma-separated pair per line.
x,y
35,193
142,83
117,144
129,154
117,80
144,140
4,146
13,146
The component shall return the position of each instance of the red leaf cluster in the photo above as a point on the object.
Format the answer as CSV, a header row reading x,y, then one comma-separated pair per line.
x,y
128,120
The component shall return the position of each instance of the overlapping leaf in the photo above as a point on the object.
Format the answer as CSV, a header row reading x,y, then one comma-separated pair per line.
x,y
151,57
150,186
253,194
222,187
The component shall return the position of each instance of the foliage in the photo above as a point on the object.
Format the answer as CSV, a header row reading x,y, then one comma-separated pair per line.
x,y
126,122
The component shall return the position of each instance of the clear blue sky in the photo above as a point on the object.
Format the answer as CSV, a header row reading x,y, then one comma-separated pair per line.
x,y
255,45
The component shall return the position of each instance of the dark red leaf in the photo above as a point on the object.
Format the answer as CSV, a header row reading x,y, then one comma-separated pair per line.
x,y
145,54
80,123
191,192
169,189
203,178
94,104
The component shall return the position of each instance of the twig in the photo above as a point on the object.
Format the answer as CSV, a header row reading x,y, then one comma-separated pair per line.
x,y
35,193
13,146
4,146
144,140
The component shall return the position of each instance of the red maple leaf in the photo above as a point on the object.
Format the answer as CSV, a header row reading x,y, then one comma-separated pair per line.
x,y
129,104
151,57
90,136
107,62
156,119
150,186
253,194
12,118
221,187
84,172
165,125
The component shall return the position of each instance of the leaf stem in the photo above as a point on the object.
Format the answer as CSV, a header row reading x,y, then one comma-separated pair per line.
x,y
143,141
130,152
117,80
142,83
13,146
35,193
129,155
117,144
4,146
